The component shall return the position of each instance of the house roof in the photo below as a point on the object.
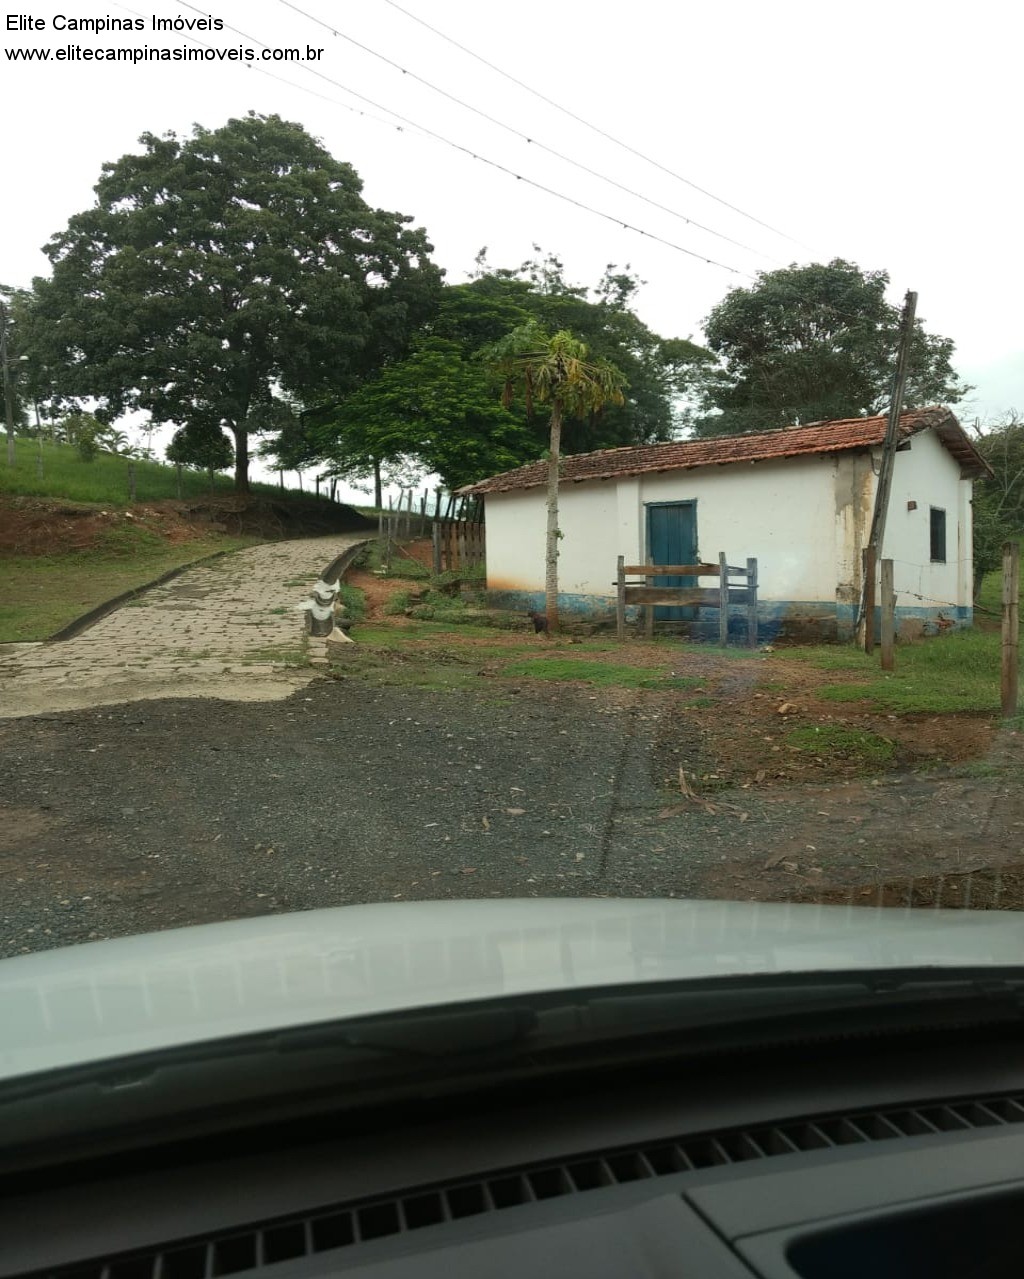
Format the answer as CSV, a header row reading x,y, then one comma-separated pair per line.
x,y
794,441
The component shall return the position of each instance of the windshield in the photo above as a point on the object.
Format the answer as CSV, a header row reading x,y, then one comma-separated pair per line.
x,y
498,509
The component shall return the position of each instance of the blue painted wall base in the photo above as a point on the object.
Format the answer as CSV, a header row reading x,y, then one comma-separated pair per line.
x,y
807,620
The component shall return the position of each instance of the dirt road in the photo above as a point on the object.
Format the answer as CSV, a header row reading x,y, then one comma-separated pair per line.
x,y
127,818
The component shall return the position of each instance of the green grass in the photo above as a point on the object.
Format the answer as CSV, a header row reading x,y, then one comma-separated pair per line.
x,y
40,594
105,478
354,600
280,654
845,743
990,597
398,603
956,672
602,674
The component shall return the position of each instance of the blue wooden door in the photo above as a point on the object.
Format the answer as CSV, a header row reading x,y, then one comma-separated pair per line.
x,y
672,539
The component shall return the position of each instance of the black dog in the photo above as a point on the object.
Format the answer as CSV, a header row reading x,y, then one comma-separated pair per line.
x,y
540,622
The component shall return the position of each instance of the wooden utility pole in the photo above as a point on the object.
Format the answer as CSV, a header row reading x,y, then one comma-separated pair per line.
x,y
888,617
870,574
878,518
1011,628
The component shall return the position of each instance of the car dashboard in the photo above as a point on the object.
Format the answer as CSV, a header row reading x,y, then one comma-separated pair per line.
x,y
849,1162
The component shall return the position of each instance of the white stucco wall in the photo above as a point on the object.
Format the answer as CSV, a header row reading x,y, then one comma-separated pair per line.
x,y
929,475
805,520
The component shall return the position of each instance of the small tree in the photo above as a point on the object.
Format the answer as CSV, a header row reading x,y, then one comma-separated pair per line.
x,y
203,448
553,370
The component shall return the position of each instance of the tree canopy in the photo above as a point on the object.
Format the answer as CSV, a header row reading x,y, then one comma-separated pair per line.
x,y
216,271
436,408
805,344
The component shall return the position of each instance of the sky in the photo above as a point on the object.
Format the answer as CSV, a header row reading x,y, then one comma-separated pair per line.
x,y
884,133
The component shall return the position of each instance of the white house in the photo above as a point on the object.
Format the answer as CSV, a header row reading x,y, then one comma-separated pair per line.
x,y
800,500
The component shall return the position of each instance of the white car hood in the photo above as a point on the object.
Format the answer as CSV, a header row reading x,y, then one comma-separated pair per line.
x,y
105,999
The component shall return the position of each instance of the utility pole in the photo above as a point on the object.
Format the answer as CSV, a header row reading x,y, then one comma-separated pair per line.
x,y
875,537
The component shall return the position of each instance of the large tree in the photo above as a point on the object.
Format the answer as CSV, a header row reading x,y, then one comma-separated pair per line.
x,y
217,270
436,407
555,371
805,344
998,503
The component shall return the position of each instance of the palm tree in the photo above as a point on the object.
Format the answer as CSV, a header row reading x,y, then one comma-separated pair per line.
x,y
554,370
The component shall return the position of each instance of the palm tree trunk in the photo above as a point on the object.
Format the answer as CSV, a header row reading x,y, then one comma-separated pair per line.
x,y
551,549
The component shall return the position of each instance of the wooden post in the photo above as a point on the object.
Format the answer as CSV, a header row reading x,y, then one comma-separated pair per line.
x,y
280,476
1011,628
131,481
436,540
408,515
423,514
888,617
318,486
437,504
177,476
723,599
869,559
649,613
752,603
461,546
620,599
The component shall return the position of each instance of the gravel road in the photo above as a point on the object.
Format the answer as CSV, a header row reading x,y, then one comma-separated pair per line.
x,y
134,817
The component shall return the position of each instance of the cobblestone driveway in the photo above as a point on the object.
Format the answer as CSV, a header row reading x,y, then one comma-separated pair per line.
x,y
228,628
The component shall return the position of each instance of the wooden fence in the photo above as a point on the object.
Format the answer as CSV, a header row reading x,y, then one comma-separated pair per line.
x,y
458,545
650,595
457,536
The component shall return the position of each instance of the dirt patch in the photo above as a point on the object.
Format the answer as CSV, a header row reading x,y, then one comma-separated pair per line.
x,y
42,526
36,526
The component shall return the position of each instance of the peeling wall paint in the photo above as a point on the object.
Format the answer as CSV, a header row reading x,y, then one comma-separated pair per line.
x,y
805,519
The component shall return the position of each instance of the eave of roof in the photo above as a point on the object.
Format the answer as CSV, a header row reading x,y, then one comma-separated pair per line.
x,y
803,441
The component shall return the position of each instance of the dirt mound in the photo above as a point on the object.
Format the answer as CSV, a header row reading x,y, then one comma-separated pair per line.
x,y
47,526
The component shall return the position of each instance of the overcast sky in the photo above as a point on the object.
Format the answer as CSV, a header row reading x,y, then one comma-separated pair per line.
x,y
886,133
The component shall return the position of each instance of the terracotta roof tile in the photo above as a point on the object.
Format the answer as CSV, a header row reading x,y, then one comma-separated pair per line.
x,y
815,437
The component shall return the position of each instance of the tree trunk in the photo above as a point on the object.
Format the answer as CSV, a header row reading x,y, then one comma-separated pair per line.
x,y
241,458
551,549
378,497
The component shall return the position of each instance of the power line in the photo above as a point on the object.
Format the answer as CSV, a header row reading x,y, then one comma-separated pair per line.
x,y
494,164
302,88
587,124
509,128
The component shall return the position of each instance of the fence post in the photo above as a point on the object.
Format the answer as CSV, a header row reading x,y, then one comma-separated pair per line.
x,y
177,477
437,504
723,599
131,481
649,613
461,545
752,603
620,599
436,545
869,560
888,617
1011,628
423,513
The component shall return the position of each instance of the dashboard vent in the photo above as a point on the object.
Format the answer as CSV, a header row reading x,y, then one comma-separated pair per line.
x,y
262,1244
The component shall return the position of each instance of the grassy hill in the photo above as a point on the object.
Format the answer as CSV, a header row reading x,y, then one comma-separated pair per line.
x,y
71,539
105,478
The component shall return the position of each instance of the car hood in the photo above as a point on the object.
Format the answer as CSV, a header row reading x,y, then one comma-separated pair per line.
x,y
106,999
